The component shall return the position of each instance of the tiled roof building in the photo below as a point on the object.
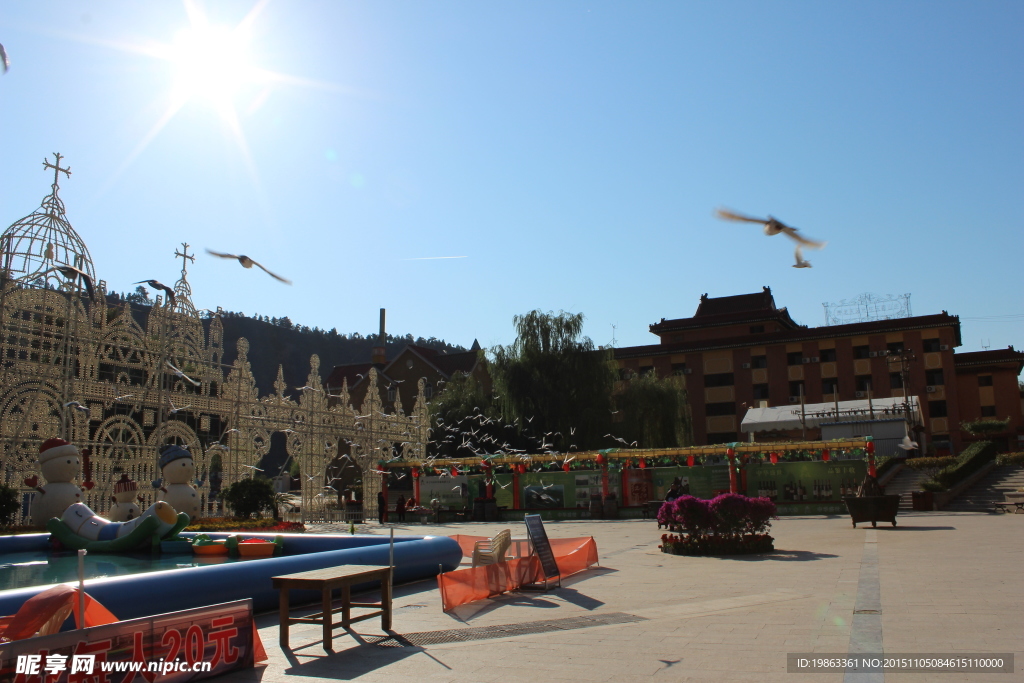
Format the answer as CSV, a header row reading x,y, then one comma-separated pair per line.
x,y
739,352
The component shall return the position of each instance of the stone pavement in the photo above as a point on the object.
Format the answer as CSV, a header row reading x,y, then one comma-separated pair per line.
x,y
943,583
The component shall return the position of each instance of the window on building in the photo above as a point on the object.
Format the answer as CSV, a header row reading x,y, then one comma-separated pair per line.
x,y
829,386
861,351
712,409
895,347
795,358
797,389
722,379
827,355
988,411
934,377
756,329
391,395
984,380
937,409
760,392
759,362
863,382
679,368
930,345
895,380
646,370
428,391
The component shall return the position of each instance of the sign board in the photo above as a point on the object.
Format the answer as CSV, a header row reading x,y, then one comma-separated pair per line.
x,y
165,648
541,545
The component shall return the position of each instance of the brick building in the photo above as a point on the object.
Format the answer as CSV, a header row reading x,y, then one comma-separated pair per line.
x,y
739,352
399,376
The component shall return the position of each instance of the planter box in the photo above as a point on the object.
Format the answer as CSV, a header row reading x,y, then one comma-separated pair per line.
x,y
923,501
873,509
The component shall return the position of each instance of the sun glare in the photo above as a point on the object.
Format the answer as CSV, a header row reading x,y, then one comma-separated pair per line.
x,y
210,63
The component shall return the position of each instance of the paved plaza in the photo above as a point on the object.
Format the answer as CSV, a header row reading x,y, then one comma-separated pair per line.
x,y
943,583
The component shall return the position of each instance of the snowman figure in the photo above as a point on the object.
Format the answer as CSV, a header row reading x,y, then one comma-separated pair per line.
x,y
60,463
126,493
175,487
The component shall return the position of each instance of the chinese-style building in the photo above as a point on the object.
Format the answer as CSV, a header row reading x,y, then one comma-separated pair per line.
x,y
741,352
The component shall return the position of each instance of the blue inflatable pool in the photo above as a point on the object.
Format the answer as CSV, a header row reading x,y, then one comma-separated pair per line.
x,y
168,590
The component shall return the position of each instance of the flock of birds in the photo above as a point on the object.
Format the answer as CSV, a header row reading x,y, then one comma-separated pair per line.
x,y
76,275
772,227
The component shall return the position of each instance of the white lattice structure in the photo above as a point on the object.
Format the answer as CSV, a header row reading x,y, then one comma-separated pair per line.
x,y
58,345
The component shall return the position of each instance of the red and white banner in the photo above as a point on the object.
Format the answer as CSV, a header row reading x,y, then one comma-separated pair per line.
x,y
190,645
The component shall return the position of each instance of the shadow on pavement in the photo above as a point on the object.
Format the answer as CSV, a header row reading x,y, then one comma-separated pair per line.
x,y
347,663
781,555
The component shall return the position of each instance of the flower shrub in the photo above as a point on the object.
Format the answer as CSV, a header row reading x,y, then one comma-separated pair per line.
x,y
236,524
728,524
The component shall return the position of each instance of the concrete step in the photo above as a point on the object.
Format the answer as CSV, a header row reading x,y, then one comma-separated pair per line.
x,y
991,489
904,484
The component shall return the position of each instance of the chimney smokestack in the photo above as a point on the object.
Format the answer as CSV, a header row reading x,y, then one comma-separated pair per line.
x,y
379,354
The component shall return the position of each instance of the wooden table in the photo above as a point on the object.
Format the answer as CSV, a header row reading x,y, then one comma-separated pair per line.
x,y
326,580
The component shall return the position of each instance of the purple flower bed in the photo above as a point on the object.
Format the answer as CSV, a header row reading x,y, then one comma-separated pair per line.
x,y
727,525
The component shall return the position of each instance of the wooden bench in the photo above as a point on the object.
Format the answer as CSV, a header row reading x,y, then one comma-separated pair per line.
x,y
326,580
1005,506
492,550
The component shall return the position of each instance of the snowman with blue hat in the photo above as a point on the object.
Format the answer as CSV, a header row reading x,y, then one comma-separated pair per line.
x,y
178,470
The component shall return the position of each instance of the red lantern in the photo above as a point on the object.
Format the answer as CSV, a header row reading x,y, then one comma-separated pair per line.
x,y
643,464
689,461
455,471
825,455
774,457
522,468
600,458
730,452
870,448
565,467
415,472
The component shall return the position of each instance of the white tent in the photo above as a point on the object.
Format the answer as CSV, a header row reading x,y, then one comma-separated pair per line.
x,y
795,416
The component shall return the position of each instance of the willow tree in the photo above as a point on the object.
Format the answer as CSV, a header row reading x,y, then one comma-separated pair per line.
x,y
552,379
654,412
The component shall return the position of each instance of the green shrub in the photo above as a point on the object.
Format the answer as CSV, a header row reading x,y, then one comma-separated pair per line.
x,y
972,459
883,465
985,426
249,497
932,485
8,504
1011,459
930,463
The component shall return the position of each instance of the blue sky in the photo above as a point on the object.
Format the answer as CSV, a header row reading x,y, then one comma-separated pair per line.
x,y
572,152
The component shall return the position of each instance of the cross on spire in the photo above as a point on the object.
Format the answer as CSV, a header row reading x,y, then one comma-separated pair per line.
x,y
185,258
57,170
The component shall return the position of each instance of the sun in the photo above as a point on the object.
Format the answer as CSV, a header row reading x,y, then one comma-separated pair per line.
x,y
210,63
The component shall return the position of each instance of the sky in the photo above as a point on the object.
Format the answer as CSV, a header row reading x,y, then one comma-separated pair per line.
x,y
459,163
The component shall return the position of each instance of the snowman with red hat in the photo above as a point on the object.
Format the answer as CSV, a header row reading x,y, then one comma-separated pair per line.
x,y
126,493
60,463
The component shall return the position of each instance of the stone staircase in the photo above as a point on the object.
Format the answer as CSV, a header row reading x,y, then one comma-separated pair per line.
x,y
991,489
905,482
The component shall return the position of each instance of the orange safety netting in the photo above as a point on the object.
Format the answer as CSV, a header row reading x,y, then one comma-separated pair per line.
x,y
42,607
477,583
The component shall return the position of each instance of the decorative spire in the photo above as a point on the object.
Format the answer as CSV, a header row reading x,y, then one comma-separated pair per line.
x,y
182,290
57,170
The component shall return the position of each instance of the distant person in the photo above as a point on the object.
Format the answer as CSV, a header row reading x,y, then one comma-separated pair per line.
x,y
382,506
674,491
400,508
